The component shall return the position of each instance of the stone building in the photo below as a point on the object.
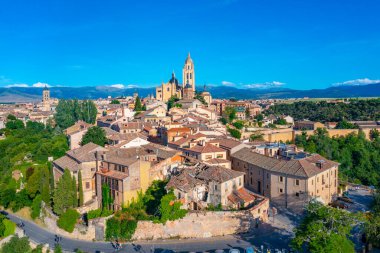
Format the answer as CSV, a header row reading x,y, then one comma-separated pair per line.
x,y
46,99
288,183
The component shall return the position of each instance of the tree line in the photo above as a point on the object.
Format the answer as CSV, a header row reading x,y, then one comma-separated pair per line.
x,y
329,112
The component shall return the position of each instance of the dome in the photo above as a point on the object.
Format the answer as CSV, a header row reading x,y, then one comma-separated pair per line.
x,y
174,79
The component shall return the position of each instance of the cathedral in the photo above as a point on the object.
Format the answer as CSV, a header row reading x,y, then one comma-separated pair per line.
x,y
186,90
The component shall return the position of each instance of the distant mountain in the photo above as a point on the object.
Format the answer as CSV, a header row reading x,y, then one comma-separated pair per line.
x,y
25,94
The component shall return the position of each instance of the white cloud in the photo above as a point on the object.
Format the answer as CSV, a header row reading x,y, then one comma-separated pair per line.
x,y
266,85
227,83
356,82
40,85
122,86
17,85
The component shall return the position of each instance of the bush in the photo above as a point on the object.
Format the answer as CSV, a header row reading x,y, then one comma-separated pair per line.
x,y
120,227
234,133
68,220
10,227
238,124
98,213
17,245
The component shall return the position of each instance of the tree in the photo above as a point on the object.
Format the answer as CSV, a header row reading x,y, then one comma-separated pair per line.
x,y
280,122
63,193
106,197
230,113
14,124
199,97
143,107
170,208
115,102
36,207
238,124
68,220
346,125
95,135
256,137
234,133
172,100
80,187
223,120
17,245
74,192
138,106
58,248
325,229
374,134
259,117
70,111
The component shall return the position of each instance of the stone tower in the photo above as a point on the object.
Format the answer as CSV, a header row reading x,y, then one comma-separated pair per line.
x,y
188,73
46,98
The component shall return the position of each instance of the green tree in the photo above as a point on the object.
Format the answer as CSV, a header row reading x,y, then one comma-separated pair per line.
x,y
170,208
238,124
374,134
345,125
68,220
172,100
95,135
17,245
280,122
199,97
63,193
234,133
115,102
259,117
80,187
74,192
70,111
256,137
325,229
36,207
58,248
106,197
138,105
14,124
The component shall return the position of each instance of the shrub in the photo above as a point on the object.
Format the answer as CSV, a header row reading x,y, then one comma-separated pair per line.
x,y
234,133
121,228
10,227
98,213
68,220
16,245
36,207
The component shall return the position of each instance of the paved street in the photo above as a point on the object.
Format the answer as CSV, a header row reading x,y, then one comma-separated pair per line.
x,y
264,235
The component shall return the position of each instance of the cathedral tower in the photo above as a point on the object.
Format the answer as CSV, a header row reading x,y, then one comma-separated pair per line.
x,y
188,73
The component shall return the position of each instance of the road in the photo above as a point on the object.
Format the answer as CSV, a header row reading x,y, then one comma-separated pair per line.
x,y
263,236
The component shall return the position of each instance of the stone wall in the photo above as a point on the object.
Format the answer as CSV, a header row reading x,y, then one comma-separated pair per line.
x,y
203,224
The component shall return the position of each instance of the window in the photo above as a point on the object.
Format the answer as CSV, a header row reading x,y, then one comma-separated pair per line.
x,y
251,180
220,156
280,190
239,181
92,169
312,182
281,179
168,89
216,187
87,185
267,175
191,76
179,195
297,194
297,182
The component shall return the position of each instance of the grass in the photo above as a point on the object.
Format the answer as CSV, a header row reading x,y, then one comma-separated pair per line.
x,y
10,227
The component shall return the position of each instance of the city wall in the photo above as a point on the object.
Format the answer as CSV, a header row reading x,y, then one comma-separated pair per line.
x,y
203,224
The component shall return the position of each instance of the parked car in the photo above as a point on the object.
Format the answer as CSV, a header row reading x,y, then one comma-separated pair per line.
x,y
234,251
346,199
339,204
249,250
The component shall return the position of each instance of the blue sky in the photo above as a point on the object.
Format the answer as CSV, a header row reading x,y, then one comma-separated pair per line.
x,y
298,44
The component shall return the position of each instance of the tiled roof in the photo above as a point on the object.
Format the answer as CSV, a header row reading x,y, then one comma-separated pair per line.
x,y
184,182
85,153
228,143
208,148
65,162
219,174
302,168
241,195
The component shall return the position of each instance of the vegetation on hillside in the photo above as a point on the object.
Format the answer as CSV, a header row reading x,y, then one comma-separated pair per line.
x,y
156,204
359,158
329,112
70,111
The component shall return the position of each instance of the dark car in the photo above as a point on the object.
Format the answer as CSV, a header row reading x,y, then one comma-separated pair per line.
x,y
346,199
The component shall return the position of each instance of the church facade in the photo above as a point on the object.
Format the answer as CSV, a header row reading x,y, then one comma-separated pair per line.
x,y
186,90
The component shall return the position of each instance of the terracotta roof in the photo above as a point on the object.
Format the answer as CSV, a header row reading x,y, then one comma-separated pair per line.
x,y
228,143
208,148
241,195
219,174
216,161
184,182
305,167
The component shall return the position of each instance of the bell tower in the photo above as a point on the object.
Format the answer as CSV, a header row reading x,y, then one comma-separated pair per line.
x,y
188,73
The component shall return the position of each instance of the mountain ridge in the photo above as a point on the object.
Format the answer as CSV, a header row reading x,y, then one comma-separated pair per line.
x,y
33,94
